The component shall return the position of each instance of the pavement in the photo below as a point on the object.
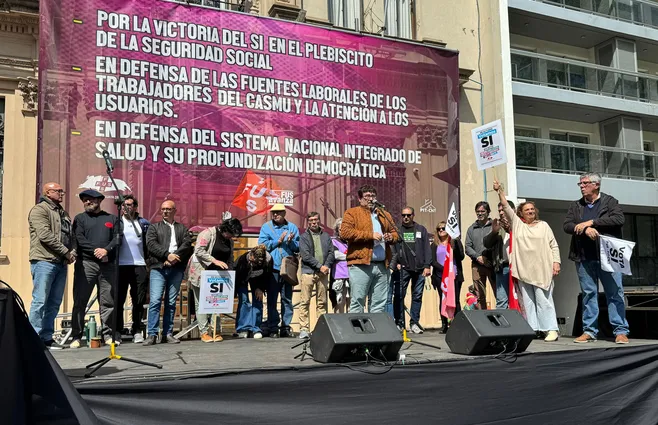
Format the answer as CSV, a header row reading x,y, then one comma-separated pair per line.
x,y
193,357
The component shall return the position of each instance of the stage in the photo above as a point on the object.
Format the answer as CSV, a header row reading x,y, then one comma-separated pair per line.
x,y
259,381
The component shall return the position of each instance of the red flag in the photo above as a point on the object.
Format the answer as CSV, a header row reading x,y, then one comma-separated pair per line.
x,y
448,305
253,192
513,295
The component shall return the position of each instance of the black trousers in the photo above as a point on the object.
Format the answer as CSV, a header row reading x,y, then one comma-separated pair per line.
x,y
89,274
137,278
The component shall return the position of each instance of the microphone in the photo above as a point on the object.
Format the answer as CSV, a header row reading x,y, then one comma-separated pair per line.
x,y
108,160
378,204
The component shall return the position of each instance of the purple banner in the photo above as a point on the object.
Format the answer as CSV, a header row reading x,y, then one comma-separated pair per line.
x,y
223,111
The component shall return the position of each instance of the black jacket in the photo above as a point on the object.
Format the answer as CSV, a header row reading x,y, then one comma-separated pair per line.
x,y
310,264
157,241
609,222
457,256
246,274
494,243
404,256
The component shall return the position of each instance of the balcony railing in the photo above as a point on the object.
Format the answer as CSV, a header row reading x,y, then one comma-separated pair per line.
x,y
582,77
576,158
639,12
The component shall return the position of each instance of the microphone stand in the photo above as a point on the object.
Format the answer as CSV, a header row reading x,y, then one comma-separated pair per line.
x,y
115,287
404,331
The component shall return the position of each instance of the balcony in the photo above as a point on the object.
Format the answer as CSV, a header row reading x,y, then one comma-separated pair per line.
x,y
559,157
638,12
583,77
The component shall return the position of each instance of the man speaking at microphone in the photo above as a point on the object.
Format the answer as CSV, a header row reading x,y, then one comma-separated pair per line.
x,y
369,232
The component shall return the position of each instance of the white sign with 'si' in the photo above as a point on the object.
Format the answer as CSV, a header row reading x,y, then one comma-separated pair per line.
x,y
615,254
489,145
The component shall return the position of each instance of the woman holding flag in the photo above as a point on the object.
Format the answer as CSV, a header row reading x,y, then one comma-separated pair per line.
x,y
443,249
535,261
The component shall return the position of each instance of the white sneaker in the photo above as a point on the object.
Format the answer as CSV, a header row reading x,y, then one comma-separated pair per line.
x,y
552,336
75,344
416,329
245,335
258,335
303,334
138,338
108,340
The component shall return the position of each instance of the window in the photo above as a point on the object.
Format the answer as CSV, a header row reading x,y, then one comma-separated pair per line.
x,y
522,68
569,159
528,153
398,18
346,13
649,161
642,230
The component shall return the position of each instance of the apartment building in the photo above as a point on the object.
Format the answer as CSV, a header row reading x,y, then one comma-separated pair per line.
x,y
585,98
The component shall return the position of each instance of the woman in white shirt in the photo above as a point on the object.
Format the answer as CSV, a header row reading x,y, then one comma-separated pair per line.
x,y
535,261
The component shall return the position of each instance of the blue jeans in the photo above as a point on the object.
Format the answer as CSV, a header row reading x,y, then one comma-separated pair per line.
x,y
589,274
250,314
393,293
416,296
165,284
502,288
276,287
49,280
371,281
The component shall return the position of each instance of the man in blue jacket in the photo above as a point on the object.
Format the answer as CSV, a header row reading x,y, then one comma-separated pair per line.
x,y
281,238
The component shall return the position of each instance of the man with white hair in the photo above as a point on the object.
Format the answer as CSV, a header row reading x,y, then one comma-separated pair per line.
x,y
595,214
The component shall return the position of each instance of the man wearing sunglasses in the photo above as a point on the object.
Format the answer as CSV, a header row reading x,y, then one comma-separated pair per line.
x,y
132,266
413,263
51,250
595,214
97,234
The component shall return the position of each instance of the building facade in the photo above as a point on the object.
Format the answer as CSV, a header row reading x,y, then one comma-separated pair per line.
x,y
575,83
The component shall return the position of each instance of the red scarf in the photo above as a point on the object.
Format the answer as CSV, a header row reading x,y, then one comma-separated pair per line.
x,y
448,305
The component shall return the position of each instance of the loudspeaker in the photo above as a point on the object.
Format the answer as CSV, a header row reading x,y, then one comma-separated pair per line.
x,y
475,332
340,338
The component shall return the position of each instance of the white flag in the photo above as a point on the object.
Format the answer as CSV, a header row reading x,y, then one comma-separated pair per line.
x,y
452,224
616,254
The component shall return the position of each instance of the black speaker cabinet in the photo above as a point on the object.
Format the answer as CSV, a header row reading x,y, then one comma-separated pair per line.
x,y
475,332
340,338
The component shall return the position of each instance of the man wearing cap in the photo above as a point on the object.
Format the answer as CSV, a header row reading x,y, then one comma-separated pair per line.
x,y
281,238
51,250
97,234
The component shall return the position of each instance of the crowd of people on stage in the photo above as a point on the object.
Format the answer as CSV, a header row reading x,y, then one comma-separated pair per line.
x,y
367,263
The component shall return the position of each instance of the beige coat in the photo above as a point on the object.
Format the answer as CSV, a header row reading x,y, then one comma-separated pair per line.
x,y
46,231
534,250
201,259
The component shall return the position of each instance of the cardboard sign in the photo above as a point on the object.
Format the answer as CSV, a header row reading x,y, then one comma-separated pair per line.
x,y
452,224
489,145
616,254
216,292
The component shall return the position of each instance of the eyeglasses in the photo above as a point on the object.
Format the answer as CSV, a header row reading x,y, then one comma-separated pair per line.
x,y
579,184
60,191
440,229
128,205
407,215
278,212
